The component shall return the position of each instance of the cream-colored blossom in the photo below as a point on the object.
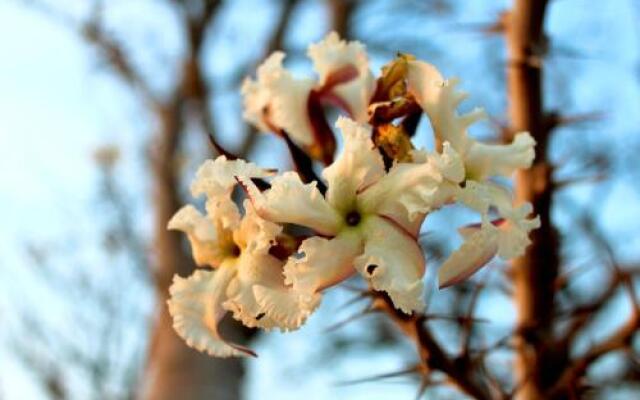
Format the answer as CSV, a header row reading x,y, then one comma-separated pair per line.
x,y
245,279
466,165
277,100
369,219
439,99
506,237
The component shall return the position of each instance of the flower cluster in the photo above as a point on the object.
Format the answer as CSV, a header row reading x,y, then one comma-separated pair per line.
x,y
299,236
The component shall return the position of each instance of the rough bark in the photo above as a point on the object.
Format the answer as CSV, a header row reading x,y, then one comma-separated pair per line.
x,y
538,365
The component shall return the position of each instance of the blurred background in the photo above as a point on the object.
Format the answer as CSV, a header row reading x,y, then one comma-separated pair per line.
x,y
105,108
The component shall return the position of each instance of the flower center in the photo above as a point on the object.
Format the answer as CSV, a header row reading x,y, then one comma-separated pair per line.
x,y
353,218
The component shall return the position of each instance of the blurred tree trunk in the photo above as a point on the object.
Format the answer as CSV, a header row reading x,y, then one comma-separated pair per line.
x,y
175,371
538,364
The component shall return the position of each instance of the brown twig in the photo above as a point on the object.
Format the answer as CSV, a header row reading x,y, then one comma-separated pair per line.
x,y
432,356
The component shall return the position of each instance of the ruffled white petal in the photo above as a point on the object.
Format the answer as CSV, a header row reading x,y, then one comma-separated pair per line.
x,y
393,262
513,237
291,201
210,244
337,60
333,54
359,165
288,308
252,269
449,163
325,263
507,237
451,167
259,298
476,251
289,108
257,94
404,194
439,99
255,235
486,160
218,177
223,212
277,100
195,306
479,196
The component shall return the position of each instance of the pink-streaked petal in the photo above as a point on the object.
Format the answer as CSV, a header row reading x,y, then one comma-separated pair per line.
x,y
344,76
393,262
332,55
479,247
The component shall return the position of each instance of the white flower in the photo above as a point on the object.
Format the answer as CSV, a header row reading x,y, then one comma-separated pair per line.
x,y
368,219
344,76
279,101
507,237
439,99
246,280
465,160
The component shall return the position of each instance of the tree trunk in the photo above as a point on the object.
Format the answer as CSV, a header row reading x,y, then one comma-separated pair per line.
x,y
175,371
538,365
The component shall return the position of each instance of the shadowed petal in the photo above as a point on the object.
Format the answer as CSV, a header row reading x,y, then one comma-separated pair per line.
x,y
210,244
476,251
252,269
255,235
195,306
291,201
257,94
326,262
393,262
